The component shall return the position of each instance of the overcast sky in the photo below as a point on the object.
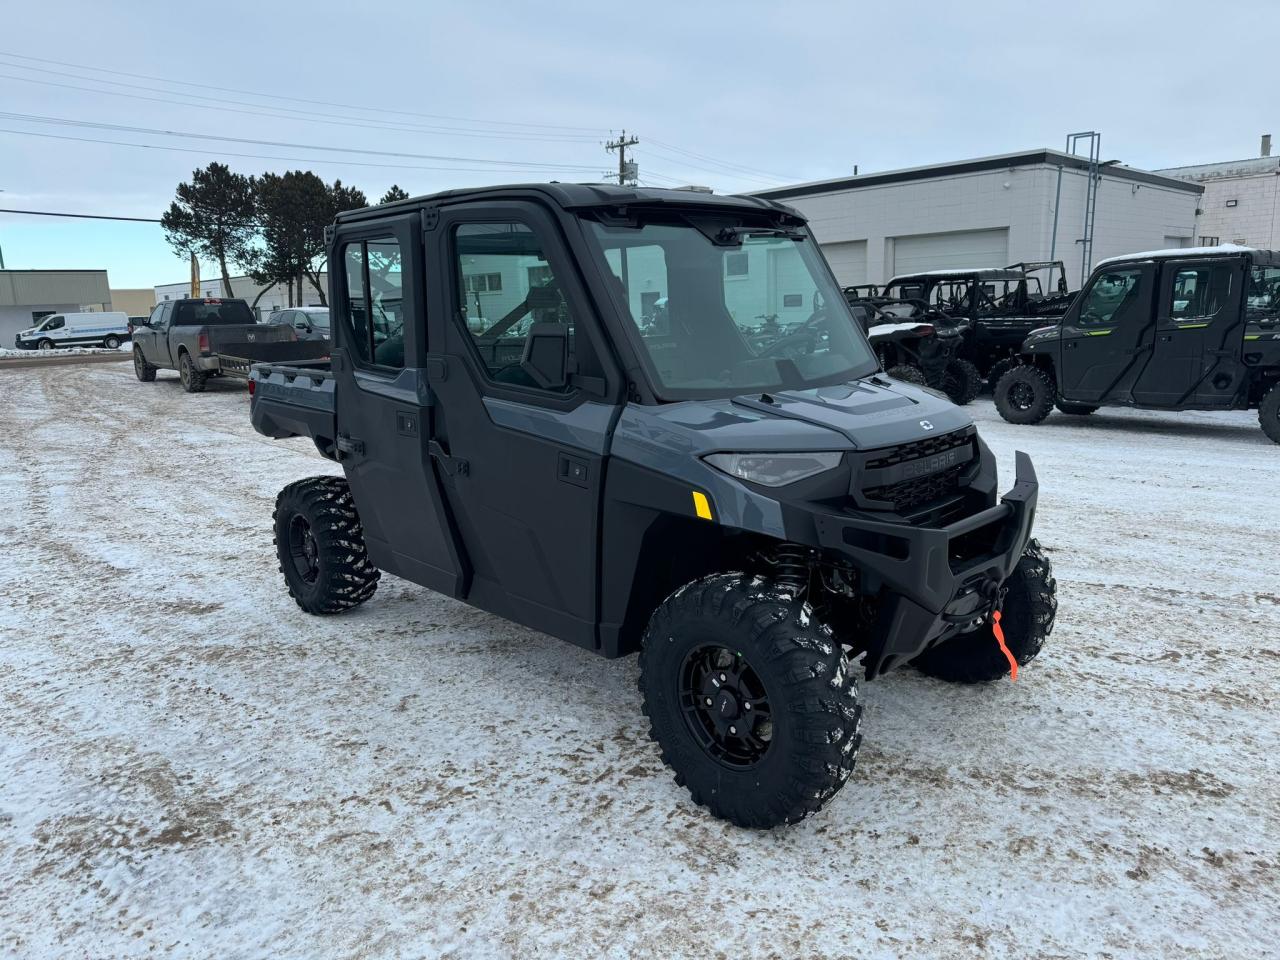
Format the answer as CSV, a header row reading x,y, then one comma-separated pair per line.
x,y
732,95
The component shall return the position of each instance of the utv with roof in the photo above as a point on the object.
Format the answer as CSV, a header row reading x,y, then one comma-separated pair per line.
x,y
1189,329
556,404
989,311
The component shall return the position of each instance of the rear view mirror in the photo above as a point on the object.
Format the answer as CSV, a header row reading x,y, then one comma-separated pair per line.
x,y
546,355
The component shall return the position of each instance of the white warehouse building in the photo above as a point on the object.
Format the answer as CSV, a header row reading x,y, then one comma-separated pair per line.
x,y
989,212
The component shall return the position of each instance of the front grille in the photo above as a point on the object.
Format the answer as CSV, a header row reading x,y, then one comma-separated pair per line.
x,y
907,495
927,447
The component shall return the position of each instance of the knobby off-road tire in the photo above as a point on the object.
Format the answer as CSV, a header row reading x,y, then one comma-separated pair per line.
x,y
738,640
193,380
962,382
999,369
1025,395
1269,413
320,546
907,373
1075,409
1027,620
141,369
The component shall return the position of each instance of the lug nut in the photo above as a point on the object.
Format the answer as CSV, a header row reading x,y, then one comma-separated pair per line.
x,y
708,701
733,730
723,678
746,706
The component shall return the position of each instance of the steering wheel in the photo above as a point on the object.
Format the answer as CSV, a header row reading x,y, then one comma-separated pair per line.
x,y
806,334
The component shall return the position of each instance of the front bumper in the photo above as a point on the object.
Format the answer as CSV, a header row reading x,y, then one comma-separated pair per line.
x,y
934,581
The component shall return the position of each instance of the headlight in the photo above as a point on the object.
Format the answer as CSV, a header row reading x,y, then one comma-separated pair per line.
x,y
774,469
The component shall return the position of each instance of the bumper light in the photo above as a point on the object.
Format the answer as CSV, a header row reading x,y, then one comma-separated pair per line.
x,y
774,469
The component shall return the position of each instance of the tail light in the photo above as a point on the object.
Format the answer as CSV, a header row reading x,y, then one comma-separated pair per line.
x,y
203,342
253,385
924,330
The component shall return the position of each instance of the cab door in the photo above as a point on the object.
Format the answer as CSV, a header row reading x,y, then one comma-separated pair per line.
x,y
1198,334
384,406
523,465
1107,336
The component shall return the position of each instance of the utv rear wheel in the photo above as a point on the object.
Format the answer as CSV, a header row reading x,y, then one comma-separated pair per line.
x,y
1269,413
192,379
1075,409
907,373
750,700
141,369
1026,620
1025,395
320,546
961,382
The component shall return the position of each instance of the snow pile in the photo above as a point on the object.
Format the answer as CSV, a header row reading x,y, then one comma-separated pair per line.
x,y
126,347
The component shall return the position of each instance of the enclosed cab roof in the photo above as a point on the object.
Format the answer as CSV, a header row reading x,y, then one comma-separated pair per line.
x,y
583,196
1264,258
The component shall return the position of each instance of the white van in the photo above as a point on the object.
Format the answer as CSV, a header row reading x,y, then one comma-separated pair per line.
x,y
76,330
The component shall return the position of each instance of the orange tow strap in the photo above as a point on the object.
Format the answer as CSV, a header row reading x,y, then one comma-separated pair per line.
x,y
995,628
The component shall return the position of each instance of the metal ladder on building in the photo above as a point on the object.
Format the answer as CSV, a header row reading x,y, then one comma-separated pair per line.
x,y
1093,143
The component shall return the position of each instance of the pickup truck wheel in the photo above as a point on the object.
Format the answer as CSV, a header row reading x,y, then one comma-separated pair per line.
x,y
907,373
750,699
111,343
1075,409
141,369
320,546
1025,395
192,379
961,382
1026,619
1269,413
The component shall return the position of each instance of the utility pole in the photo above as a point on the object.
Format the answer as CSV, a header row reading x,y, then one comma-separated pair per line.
x,y
627,172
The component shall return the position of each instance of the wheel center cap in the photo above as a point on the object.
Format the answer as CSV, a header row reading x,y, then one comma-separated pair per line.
x,y
726,706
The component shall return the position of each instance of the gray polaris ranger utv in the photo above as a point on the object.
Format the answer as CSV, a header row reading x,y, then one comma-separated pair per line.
x,y
559,404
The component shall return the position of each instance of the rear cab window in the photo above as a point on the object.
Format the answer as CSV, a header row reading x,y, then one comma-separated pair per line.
x,y
200,313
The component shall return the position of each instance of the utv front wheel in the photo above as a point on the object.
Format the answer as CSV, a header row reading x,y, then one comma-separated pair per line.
x,y
961,382
907,373
1026,619
320,546
750,700
1025,395
1269,413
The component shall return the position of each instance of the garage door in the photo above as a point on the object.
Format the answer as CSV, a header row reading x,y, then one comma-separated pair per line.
x,y
951,251
848,261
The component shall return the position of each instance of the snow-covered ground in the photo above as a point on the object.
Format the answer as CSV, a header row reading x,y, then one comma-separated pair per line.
x,y
125,348
191,767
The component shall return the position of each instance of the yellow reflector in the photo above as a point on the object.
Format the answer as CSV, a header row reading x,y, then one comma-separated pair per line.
x,y
700,505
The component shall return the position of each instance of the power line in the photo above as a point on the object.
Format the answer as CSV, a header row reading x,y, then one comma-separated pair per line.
x,y
667,147
321,103
263,156
79,216
151,131
344,122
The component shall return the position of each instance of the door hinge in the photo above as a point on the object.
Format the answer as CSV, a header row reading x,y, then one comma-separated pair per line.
x,y
453,466
350,445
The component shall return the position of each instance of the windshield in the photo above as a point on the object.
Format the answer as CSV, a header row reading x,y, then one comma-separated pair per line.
x,y
319,318
199,313
726,308
1262,298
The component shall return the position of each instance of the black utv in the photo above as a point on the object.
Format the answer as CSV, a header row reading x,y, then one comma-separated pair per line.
x,y
1168,330
988,311
556,403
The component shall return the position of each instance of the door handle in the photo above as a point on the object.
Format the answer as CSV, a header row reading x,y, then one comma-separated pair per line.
x,y
453,466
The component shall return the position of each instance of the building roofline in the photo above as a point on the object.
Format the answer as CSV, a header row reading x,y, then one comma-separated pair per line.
x,y
1002,161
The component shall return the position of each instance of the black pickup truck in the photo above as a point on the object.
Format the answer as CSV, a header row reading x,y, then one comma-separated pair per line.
x,y
208,337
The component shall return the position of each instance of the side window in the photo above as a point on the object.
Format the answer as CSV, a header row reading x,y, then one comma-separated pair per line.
x,y
55,323
505,286
375,301
1199,293
1262,303
1111,299
154,319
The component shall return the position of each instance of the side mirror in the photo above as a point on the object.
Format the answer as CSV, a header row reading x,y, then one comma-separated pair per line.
x,y
546,355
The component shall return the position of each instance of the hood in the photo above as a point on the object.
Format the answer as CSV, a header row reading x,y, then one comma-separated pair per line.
x,y
26,332
870,413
